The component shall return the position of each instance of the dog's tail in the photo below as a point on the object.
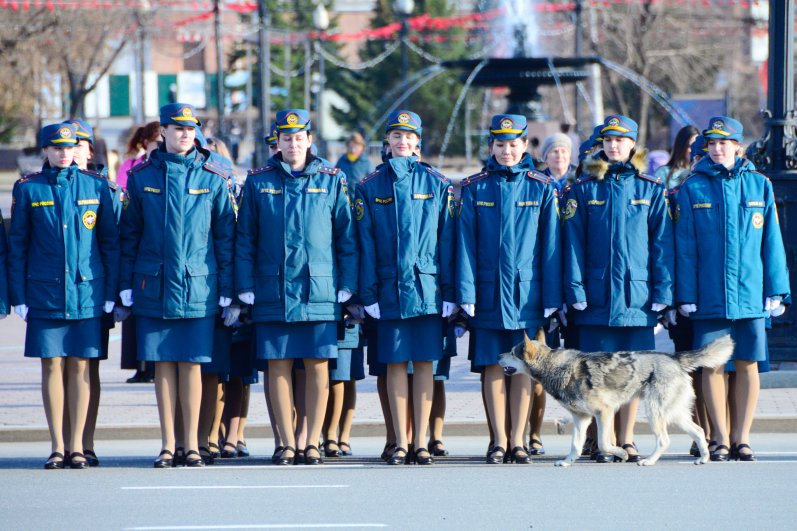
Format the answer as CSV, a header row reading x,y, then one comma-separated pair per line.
x,y
712,355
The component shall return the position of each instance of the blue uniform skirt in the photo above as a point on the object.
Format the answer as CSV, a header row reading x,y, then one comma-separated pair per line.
x,y
750,336
414,339
280,341
220,357
242,358
487,345
183,340
592,338
57,338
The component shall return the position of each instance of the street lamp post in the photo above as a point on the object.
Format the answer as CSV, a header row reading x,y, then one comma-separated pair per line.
x,y
219,69
321,23
404,9
264,55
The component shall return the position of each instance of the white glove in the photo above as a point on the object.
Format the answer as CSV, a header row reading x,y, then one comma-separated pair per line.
x,y
247,297
657,307
580,306
669,317
230,314
549,312
686,309
469,309
109,306
448,309
771,304
22,311
777,312
126,295
459,331
343,296
224,301
120,313
373,310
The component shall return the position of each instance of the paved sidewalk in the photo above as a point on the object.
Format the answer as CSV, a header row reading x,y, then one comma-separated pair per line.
x,y
129,410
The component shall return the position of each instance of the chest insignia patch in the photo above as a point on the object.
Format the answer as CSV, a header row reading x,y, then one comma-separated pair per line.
x,y
359,209
383,200
89,219
570,209
758,220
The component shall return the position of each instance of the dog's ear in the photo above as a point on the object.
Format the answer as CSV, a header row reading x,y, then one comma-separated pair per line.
x,y
540,337
530,348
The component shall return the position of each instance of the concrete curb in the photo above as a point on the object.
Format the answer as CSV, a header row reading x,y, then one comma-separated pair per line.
x,y
454,428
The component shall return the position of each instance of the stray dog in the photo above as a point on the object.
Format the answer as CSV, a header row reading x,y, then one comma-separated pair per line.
x,y
599,383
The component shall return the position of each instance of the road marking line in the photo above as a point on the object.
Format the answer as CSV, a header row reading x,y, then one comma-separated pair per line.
x,y
253,526
272,468
214,487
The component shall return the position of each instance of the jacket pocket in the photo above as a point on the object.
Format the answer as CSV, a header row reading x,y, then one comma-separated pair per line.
x,y
638,291
528,295
485,289
427,278
596,286
44,292
322,285
147,283
91,288
202,283
388,287
267,283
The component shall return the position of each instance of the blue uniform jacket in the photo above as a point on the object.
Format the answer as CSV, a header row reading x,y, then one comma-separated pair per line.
x,y
296,242
354,171
178,234
63,255
509,260
4,305
405,211
618,242
730,252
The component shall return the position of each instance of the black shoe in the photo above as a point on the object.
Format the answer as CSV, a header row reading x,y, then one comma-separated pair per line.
x,y
717,456
163,461
140,377
206,455
398,457
496,455
600,457
343,451
229,454
632,458
276,455
194,463
282,460
387,452
299,457
91,457
694,451
215,451
536,451
312,460
589,448
78,465
179,456
331,452
437,449
516,456
54,465
490,447
243,451
743,456
423,459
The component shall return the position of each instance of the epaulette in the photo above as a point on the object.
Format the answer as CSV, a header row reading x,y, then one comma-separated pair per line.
x,y
581,180
113,185
371,175
214,167
139,167
538,176
255,171
92,173
329,170
434,172
474,178
27,178
654,180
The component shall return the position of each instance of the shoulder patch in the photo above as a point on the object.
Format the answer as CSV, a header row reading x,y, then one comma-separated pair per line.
x,y
650,178
139,167
329,170
475,178
538,176
213,167
255,171
27,178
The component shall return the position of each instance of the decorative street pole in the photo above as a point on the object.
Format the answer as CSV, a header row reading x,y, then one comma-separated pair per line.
x,y
264,56
321,23
775,155
404,9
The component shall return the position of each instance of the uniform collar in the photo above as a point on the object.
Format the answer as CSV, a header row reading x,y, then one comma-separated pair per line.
x,y
402,166
707,167
311,165
510,173
193,158
53,173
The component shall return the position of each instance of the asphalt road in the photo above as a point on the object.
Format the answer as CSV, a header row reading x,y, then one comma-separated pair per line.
x,y
361,492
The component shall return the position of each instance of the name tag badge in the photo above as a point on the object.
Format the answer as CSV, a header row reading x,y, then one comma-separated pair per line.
x,y
528,203
271,191
42,204
383,200
198,191
152,190
697,206
485,203
422,197
596,202
755,203
81,202
316,190
640,202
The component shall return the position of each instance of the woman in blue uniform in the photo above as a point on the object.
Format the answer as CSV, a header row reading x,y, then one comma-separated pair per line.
x,y
296,261
728,234
177,233
509,271
618,255
405,212
63,274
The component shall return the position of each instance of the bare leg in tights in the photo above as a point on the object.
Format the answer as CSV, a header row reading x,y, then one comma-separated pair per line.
x,y
746,389
316,395
280,388
716,403
347,415
438,414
